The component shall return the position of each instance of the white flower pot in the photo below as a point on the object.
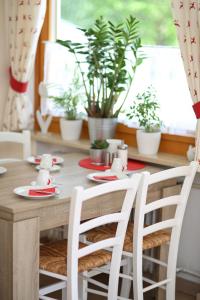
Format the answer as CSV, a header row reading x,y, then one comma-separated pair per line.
x,y
148,142
70,129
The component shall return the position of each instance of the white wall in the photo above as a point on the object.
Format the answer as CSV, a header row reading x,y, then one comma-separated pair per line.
x,y
4,63
189,250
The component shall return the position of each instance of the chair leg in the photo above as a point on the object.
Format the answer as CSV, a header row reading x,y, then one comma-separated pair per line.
x,y
171,289
82,286
64,294
126,283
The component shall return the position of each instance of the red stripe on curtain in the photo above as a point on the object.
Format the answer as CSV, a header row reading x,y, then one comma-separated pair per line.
x,y
196,108
17,86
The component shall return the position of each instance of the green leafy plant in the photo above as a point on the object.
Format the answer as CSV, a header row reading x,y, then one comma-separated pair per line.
x,y
70,99
99,144
103,62
145,110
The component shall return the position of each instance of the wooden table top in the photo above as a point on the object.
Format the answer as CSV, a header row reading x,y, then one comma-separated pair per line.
x,y
22,173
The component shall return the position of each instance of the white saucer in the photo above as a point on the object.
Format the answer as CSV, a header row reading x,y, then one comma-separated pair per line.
x,y
59,160
54,168
23,192
91,176
2,170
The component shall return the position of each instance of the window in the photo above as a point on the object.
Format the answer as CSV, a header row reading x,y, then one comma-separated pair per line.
x,y
162,68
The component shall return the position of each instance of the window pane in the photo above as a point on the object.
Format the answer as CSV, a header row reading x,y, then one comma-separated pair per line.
x,y
154,28
163,67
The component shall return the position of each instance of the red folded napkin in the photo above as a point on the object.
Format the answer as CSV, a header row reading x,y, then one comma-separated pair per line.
x,y
108,178
38,160
42,192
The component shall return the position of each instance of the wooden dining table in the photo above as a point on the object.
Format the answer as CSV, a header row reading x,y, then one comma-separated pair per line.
x,y
22,220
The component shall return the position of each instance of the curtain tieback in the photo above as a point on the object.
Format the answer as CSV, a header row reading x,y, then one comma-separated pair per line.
x,y
17,86
196,108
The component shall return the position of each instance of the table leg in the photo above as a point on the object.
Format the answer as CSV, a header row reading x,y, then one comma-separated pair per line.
x,y
19,260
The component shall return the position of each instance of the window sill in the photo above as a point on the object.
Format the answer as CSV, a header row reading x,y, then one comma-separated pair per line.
x,y
162,158
170,143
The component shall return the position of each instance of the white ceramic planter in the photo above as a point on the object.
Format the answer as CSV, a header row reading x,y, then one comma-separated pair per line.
x,y
70,129
148,142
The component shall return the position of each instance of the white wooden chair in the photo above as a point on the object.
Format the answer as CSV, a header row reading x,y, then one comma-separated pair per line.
x,y
139,237
23,138
81,257
156,234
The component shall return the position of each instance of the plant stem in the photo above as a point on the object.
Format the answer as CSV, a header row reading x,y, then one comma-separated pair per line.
x,y
83,79
127,92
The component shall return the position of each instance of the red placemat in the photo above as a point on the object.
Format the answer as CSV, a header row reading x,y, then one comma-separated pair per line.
x,y
132,165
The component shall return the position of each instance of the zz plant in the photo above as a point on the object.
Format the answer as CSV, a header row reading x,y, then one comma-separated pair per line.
x,y
107,62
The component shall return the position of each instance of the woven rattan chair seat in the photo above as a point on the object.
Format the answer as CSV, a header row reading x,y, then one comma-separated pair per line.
x,y
150,241
53,258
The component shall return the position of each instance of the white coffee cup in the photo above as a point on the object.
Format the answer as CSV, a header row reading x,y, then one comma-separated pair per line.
x,y
117,165
43,177
46,161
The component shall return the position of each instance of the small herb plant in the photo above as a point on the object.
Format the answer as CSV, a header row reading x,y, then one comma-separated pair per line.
x,y
145,110
99,144
70,99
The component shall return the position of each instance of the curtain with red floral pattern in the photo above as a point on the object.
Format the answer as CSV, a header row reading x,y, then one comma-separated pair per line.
x,y
25,19
186,16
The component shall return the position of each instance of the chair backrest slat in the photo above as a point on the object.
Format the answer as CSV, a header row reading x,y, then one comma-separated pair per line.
x,y
109,188
80,196
23,138
167,201
159,226
169,174
115,217
175,223
110,242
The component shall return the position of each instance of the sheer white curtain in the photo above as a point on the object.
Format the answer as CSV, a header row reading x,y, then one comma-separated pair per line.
x,y
25,19
187,21
162,68
58,67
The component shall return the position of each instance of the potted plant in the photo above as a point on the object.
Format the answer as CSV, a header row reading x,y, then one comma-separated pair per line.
x,y
145,110
107,62
98,151
71,124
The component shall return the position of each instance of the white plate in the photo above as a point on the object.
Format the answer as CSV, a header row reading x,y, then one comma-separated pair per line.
x,y
59,160
2,170
54,168
91,176
23,192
